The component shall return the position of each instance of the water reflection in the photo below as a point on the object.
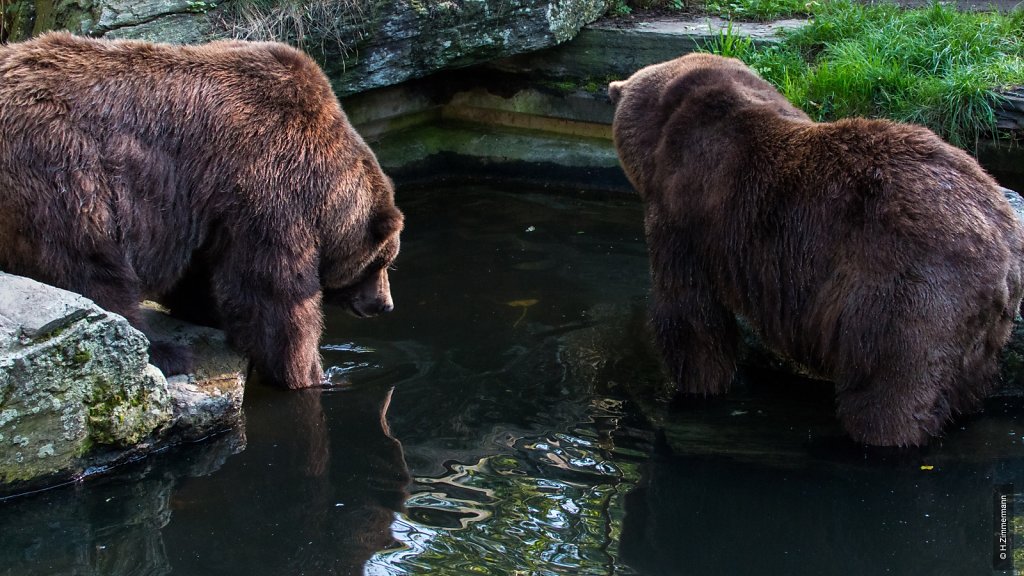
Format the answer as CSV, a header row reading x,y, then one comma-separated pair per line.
x,y
548,504
108,526
315,492
717,516
320,490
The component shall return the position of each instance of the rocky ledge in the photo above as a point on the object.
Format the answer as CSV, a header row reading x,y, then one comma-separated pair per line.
x,y
361,44
77,394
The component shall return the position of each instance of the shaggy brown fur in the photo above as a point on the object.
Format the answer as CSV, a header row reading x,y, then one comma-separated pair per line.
x,y
871,251
124,165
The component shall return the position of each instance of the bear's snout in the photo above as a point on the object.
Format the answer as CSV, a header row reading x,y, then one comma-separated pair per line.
x,y
372,307
369,297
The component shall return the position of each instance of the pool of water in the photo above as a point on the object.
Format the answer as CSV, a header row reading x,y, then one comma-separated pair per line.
x,y
504,420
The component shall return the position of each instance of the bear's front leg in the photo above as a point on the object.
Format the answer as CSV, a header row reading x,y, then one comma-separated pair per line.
x,y
697,336
277,321
291,356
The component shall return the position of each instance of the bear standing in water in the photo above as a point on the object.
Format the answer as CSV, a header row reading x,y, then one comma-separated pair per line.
x,y
131,170
872,252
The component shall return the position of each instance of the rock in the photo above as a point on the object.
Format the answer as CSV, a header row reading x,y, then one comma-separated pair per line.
x,y
72,376
415,39
360,45
1010,112
606,50
544,160
210,400
77,394
1012,360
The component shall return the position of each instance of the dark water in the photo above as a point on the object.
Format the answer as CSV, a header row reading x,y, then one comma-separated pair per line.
x,y
502,421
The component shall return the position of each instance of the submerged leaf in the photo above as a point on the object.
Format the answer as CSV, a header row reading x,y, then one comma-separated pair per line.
x,y
521,303
524,304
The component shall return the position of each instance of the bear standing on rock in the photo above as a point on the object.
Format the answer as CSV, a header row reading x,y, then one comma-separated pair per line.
x,y
870,251
131,170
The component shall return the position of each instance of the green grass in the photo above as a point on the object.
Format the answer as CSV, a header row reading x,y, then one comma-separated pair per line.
x,y
933,66
626,7
759,10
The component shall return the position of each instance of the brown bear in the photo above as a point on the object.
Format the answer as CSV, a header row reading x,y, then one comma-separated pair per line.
x,y
131,170
870,251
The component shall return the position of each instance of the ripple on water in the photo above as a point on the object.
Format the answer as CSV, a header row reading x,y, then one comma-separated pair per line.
x,y
549,504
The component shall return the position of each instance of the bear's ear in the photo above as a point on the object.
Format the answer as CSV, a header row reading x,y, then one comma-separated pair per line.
x,y
387,223
615,91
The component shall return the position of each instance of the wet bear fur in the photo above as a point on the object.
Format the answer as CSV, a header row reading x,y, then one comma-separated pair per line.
x,y
131,171
870,251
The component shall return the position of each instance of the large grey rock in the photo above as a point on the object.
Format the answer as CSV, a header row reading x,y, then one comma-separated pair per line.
x,y
361,45
77,393
415,39
608,50
72,376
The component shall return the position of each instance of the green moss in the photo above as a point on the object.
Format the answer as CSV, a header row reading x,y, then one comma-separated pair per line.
x,y
1017,529
82,356
592,85
563,86
113,413
75,15
47,336
85,447
15,24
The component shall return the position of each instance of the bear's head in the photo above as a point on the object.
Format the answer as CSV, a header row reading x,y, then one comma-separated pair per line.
x,y
693,93
354,268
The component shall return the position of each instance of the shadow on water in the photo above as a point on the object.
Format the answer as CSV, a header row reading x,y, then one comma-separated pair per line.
x,y
509,418
726,517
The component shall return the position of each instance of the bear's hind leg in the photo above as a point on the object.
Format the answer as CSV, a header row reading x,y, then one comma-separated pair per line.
x,y
892,408
901,389
106,278
170,357
918,373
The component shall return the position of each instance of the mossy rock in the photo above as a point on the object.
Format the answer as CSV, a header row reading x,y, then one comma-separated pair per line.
x,y
73,378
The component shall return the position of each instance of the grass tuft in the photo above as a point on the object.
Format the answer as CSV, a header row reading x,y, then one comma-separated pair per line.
x,y
728,43
310,25
758,10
